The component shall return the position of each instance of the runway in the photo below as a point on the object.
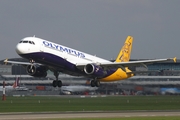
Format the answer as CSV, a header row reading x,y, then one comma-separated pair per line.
x,y
33,116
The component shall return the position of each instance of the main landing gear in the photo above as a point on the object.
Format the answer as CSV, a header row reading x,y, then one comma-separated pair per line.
x,y
95,83
57,82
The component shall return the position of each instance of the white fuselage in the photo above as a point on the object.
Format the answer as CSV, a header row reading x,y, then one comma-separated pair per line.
x,y
71,55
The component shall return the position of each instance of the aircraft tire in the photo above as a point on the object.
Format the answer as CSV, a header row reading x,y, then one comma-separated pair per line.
x,y
54,83
93,83
97,83
59,83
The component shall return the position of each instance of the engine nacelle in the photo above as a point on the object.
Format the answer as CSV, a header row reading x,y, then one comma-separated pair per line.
x,y
95,70
36,70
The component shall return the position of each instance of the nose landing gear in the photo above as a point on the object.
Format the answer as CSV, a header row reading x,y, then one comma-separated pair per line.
x,y
95,83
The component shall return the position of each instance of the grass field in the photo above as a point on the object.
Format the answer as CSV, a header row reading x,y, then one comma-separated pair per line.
x,y
130,118
115,103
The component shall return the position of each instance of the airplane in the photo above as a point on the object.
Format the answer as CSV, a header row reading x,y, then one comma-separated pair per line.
x,y
10,87
15,86
170,91
44,55
71,89
20,88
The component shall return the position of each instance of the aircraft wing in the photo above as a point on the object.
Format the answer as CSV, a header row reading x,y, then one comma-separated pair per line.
x,y
16,62
123,65
109,65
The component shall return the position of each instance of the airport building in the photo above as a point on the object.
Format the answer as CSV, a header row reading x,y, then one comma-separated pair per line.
x,y
164,74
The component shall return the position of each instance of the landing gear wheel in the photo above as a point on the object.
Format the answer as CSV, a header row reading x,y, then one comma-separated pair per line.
x,y
59,83
55,83
97,83
93,83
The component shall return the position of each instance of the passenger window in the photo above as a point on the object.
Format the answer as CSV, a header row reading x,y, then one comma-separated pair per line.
x,y
25,41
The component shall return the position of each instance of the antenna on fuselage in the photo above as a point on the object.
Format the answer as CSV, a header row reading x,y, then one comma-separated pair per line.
x,y
34,36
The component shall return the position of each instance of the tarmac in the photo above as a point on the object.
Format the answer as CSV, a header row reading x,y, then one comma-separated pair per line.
x,y
34,116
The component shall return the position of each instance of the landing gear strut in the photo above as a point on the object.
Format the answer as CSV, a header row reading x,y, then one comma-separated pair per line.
x,y
56,82
95,82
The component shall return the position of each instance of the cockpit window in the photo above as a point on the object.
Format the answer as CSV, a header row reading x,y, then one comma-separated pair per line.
x,y
25,41
31,42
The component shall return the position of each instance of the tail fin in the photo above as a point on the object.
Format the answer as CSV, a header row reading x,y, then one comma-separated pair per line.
x,y
16,83
125,52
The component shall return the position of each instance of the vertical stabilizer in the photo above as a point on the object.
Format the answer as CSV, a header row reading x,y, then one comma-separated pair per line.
x,y
16,83
125,52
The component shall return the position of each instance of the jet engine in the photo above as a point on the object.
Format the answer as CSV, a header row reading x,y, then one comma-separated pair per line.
x,y
36,70
95,70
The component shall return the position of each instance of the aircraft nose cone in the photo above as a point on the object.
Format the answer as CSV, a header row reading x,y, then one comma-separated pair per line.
x,y
19,49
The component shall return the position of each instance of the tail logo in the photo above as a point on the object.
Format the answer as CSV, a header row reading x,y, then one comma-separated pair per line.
x,y
125,52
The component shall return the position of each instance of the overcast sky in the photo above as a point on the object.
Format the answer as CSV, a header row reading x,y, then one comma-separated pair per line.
x,y
97,27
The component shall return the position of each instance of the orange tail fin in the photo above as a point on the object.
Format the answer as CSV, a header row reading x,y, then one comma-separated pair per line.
x,y
125,52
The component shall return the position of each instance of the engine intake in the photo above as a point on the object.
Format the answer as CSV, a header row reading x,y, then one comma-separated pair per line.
x,y
95,70
36,70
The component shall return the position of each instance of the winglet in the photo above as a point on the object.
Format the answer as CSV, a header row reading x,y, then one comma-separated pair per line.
x,y
5,61
170,59
174,59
